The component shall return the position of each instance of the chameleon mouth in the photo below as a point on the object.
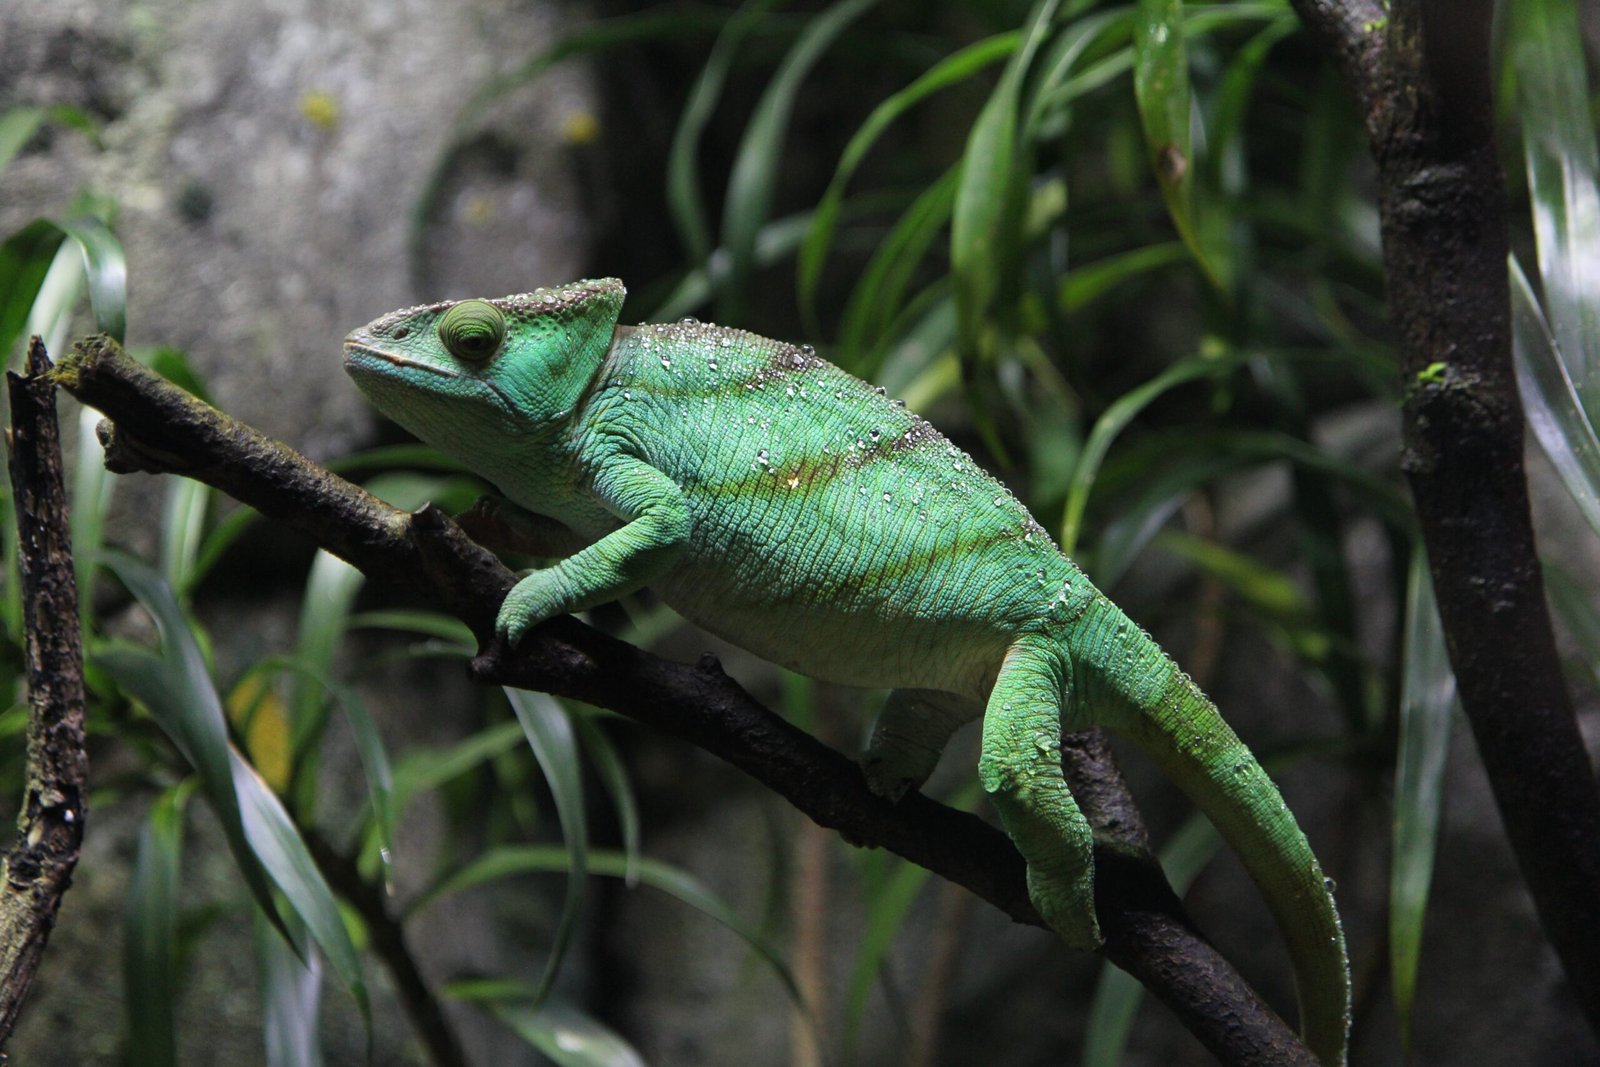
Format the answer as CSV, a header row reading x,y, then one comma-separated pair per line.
x,y
362,358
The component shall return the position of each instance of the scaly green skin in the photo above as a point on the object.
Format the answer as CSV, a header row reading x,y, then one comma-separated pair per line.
x,y
794,510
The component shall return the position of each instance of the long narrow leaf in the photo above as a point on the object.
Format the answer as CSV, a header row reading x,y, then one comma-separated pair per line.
x,y
274,838
150,933
684,202
568,1036
1555,413
25,259
1161,88
755,169
952,70
613,776
1114,420
516,859
987,199
550,735
291,994
177,688
1558,139
1427,695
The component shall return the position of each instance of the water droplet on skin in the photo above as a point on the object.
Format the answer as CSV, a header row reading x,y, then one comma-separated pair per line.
x,y
881,390
808,350
863,490
549,298
899,403
999,500
789,391
885,498
761,457
626,395
797,360
712,364
922,516
874,434
726,342
751,420
688,320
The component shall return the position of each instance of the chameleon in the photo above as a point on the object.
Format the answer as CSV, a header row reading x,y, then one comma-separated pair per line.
x,y
797,511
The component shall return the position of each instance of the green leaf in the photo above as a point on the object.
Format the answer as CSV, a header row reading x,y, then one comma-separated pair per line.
x,y
420,770
17,127
880,294
176,686
1558,140
568,1036
274,838
1161,88
1427,695
1550,397
182,527
25,259
106,268
550,735
178,690
150,932
952,70
291,994
986,213
510,860
1113,421
889,908
755,168
684,203
1087,283
613,775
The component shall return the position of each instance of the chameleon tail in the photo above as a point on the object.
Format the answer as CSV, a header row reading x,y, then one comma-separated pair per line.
x,y
1199,752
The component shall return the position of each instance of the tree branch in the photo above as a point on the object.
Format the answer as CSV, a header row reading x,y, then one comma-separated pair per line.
x,y
160,428
1427,101
36,871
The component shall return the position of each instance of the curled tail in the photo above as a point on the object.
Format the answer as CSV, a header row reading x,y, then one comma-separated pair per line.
x,y
1186,735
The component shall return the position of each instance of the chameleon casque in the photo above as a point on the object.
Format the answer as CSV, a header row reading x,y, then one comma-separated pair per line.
x,y
795,510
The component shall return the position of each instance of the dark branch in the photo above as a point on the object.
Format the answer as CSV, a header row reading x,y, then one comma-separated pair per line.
x,y
1429,108
36,871
161,428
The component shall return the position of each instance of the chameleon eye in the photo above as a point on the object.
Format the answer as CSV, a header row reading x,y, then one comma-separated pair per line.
x,y
473,330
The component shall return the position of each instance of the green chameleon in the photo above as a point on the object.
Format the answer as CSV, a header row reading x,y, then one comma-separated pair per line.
x,y
798,512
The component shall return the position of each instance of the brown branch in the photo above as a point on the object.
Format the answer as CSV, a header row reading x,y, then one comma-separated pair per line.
x,y
36,871
1428,106
161,428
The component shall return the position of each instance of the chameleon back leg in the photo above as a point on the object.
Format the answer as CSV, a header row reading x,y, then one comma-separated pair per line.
x,y
911,731
1021,770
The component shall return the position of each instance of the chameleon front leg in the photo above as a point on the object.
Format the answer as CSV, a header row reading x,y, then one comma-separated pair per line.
x,y
908,736
1021,770
655,532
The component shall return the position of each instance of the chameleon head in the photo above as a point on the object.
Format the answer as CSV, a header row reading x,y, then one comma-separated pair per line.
x,y
473,374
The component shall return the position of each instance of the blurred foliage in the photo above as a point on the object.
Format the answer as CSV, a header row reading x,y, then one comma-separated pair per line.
x,y
1126,251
